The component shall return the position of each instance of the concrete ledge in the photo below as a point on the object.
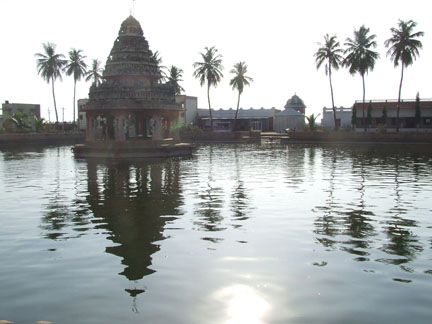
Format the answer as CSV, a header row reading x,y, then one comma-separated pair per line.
x,y
357,137
41,138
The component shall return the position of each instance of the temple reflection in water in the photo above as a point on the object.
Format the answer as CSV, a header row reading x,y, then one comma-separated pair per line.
x,y
134,203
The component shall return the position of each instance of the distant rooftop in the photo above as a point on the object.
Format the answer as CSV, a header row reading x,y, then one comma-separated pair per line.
x,y
243,113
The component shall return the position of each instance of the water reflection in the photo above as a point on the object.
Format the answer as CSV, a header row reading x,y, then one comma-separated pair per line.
x,y
134,203
131,204
348,221
209,206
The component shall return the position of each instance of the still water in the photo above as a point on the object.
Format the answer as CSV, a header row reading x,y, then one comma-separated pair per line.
x,y
235,234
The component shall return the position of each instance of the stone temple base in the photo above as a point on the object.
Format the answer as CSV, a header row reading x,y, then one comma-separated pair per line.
x,y
140,149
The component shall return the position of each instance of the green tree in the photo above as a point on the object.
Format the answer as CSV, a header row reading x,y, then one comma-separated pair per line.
x,y
417,111
20,119
76,67
360,58
210,71
174,77
312,121
403,49
239,81
330,53
39,123
50,65
95,73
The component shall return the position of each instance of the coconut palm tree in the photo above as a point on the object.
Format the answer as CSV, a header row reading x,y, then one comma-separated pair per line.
x,y
174,77
238,82
360,58
76,67
95,72
403,49
210,71
330,53
49,65
158,60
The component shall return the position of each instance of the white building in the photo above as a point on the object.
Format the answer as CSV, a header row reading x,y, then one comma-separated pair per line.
x,y
292,117
190,106
343,117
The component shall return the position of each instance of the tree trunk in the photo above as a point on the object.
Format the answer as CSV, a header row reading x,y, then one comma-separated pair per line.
x,y
210,111
333,105
74,103
236,114
398,106
363,107
55,105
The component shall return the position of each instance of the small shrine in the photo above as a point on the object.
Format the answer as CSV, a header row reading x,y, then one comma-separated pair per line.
x,y
131,112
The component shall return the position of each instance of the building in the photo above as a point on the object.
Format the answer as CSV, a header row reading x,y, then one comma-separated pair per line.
x,y
343,117
10,109
189,106
292,117
131,101
82,120
247,119
130,113
407,114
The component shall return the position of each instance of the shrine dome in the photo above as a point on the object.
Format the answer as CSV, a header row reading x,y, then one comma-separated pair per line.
x,y
295,103
130,27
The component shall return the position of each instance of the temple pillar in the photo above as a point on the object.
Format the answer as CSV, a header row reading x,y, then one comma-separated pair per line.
x,y
120,128
90,131
157,129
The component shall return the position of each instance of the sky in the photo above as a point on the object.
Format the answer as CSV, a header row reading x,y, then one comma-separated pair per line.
x,y
277,39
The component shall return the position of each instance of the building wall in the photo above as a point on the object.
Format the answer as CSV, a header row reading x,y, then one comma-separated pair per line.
x,y
406,114
82,120
343,117
190,109
9,109
294,123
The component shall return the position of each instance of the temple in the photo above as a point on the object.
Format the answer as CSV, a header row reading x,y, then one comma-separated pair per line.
x,y
130,113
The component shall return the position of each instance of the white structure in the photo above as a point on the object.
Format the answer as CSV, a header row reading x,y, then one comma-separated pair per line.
x,y
293,117
9,109
82,121
343,117
190,105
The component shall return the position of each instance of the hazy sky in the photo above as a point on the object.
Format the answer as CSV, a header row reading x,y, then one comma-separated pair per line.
x,y
276,38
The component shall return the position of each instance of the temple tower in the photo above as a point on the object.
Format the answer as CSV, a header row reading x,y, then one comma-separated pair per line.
x,y
131,103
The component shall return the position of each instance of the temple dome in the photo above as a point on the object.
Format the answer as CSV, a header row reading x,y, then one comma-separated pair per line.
x,y
295,103
130,27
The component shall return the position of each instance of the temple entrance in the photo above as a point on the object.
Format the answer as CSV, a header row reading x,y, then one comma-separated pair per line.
x,y
110,128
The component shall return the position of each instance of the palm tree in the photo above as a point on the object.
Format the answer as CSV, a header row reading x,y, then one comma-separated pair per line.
x,y
312,121
210,71
404,49
360,58
175,75
331,53
95,72
76,67
49,65
238,82
158,60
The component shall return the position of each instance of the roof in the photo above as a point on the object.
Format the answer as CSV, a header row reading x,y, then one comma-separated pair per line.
x,y
289,112
131,26
243,113
295,102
